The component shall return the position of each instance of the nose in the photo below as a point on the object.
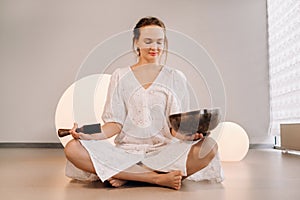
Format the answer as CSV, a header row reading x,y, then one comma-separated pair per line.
x,y
153,45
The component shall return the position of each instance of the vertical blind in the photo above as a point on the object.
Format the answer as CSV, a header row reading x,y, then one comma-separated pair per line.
x,y
284,62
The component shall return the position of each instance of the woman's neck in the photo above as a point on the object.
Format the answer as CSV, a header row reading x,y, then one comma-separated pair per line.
x,y
146,66
145,62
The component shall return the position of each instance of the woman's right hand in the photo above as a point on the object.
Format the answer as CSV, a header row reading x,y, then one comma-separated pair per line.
x,y
83,136
74,133
108,130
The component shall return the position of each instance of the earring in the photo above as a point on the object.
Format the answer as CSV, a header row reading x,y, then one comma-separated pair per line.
x,y
138,51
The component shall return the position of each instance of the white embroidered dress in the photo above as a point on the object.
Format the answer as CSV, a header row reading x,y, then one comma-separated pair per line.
x,y
145,136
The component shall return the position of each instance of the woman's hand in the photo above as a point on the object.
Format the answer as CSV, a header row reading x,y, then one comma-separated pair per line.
x,y
74,133
108,130
83,136
195,136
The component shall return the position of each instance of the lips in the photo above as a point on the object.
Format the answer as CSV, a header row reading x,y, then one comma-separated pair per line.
x,y
153,53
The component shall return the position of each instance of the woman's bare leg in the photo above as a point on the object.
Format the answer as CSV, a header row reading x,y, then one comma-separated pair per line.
x,y
200,155
79,156
171,179
134,169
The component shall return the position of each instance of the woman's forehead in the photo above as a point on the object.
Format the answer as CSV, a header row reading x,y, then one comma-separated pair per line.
x,y
151,32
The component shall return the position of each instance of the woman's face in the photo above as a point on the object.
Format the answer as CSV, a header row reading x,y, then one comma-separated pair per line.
x,y
151,43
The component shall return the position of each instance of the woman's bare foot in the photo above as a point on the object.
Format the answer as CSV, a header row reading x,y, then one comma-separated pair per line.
x,y
171,179
116,182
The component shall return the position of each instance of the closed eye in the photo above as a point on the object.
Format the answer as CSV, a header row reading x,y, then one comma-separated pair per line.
x,y
148,41
160,41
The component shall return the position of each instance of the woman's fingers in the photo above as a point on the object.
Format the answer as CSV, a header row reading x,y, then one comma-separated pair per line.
x,y
196,136
73,131
75,134
199,135
75,126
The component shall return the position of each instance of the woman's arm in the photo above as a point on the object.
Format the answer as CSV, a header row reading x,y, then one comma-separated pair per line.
x,y
108,130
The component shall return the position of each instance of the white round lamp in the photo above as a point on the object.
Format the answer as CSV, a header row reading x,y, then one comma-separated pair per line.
x,y
86,97
232,140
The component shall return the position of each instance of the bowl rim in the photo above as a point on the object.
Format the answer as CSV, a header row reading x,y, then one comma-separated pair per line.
x,y
200,111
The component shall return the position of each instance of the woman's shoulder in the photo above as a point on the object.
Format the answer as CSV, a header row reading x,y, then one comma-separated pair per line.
x,y
120,71
174,72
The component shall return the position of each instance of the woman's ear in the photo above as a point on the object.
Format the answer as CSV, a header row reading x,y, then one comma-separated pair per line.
x,y
138,52
136,47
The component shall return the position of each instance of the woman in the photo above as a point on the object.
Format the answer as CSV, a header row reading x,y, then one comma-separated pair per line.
x,y
140,99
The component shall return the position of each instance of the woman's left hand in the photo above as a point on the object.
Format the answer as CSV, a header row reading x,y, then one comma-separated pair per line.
x,y
193,137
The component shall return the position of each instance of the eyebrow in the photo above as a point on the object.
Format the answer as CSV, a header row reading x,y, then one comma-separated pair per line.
x,y
154,39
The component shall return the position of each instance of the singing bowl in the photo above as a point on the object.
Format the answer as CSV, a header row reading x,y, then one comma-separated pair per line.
x,y
197,121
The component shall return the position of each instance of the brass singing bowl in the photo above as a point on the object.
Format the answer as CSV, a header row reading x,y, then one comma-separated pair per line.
x,y
198,121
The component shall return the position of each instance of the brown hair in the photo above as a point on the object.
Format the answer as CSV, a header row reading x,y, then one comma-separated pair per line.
x,y
148,21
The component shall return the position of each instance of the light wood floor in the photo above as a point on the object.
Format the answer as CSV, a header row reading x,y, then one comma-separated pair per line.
x,y
39,174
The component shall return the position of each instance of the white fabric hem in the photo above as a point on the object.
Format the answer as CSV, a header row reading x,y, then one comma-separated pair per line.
x,y
213,172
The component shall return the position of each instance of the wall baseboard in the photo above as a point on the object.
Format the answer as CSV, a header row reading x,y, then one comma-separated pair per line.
x,y
261,146
31,145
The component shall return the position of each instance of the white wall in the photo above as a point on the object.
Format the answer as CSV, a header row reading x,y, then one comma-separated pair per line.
x,y
43,44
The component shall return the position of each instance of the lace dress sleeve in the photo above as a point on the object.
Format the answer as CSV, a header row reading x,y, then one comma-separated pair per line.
x,y
114,109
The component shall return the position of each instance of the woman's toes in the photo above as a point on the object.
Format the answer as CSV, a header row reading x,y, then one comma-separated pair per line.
x,y
116,182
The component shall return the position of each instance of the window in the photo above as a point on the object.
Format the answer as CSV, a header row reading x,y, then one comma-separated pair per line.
x,y
284,62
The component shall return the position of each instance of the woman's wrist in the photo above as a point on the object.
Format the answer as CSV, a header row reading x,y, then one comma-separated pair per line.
x,y
94,136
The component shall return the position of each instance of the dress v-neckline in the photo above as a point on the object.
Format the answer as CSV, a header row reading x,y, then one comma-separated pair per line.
x,y
154,80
